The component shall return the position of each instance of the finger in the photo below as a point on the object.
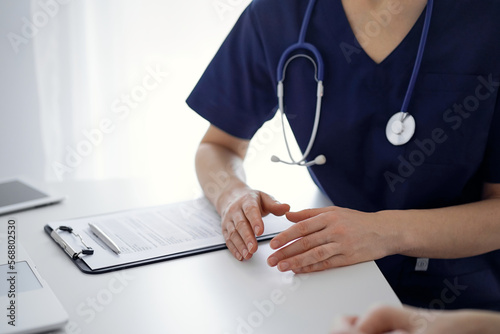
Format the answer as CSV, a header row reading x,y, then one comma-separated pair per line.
x,y
306,214
238,229
230,245
350,319
245,230
318,257
271,205
254,216
345,331
232,248
302,246
382,319
343,325
296,231
332,262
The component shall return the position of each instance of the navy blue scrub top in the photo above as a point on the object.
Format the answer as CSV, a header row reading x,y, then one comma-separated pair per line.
x,y
456,146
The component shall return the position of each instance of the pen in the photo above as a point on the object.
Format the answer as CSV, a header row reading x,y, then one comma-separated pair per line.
x,y
105,238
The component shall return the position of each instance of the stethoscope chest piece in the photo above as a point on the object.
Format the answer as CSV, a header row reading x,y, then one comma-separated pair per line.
x,y
400,128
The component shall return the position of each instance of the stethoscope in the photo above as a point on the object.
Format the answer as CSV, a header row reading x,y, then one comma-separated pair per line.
x,y
400,127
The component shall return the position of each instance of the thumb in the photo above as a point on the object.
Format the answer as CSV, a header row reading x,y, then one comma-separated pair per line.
x,y
306,214
271,205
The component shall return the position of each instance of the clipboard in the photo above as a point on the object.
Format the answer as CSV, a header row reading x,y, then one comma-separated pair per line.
x,y
86,269
82,247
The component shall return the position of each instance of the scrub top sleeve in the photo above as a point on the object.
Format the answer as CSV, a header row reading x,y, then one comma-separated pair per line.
x,y
236,92
492,156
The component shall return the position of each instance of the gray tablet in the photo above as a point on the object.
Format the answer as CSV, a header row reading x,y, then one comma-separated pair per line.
x,y
18,194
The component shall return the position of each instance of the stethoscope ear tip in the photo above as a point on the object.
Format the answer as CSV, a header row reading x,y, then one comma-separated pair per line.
x,y
320,160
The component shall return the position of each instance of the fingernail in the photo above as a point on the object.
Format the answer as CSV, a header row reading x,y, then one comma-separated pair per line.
x,y
274,244
283,266
257,230
250,246
272,261
245,253
238,256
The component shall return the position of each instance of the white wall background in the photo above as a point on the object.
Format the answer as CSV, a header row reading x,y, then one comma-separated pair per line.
x,y
65,65
61,80
21,150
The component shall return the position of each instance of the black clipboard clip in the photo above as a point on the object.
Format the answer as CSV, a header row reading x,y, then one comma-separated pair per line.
x,y
74,254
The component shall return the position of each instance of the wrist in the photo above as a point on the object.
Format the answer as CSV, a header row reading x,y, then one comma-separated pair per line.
x,y
395,231
233,189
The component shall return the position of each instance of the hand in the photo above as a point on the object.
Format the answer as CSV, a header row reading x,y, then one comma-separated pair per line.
x,y
242,221
385,319
388,319
409,320
329,237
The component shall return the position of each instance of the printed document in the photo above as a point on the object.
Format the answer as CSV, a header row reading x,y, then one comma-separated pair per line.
x,y
154,232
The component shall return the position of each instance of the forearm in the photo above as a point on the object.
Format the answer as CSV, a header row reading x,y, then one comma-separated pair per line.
x,y
473,321
451,232
220,173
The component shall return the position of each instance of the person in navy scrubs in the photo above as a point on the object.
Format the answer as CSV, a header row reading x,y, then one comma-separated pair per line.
x,y
427,211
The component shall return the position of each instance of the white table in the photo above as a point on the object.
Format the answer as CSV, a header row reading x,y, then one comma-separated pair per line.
x,y
208,293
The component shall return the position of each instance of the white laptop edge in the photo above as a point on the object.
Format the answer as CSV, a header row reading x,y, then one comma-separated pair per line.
x,y
37,310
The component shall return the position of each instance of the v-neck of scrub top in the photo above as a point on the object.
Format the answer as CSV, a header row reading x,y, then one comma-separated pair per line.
x,y
342,25
359,98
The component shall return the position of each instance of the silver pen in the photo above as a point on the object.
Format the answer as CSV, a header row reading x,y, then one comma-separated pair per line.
x,y
105,238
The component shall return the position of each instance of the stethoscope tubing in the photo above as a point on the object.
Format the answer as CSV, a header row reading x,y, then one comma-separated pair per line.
x,y
405,118
420,56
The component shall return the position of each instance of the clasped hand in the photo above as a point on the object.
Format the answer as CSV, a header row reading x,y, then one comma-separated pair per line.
x,y
320,238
